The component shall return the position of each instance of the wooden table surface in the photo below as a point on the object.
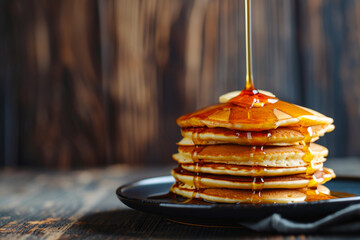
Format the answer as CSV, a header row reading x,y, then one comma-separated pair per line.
x,y
82,204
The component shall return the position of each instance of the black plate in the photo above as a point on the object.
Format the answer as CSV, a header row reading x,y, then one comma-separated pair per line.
x,y
138,195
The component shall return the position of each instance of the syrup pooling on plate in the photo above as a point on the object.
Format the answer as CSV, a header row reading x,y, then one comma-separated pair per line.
x,y
315,195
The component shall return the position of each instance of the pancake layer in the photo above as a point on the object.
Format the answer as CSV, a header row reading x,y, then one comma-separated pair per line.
x,y
224,195
252,148
277,137
270,116
267,156
240,182
249,171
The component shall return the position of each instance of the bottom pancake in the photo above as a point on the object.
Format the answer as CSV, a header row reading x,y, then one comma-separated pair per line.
x,y
223,195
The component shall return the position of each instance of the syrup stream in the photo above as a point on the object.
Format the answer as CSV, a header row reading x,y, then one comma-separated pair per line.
x,y
249,76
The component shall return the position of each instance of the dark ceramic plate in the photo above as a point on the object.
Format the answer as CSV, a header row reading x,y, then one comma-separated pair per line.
x,y
144,195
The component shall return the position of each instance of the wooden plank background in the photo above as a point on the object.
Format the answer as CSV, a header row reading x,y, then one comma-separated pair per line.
x,y
89,83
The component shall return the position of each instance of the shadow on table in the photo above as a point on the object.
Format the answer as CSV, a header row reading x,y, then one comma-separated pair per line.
x,y
132,223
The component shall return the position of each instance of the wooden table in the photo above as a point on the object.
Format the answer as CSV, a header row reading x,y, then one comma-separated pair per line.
x,y
83,204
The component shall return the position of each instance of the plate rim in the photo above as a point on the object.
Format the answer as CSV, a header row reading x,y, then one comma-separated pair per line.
x,y
121,196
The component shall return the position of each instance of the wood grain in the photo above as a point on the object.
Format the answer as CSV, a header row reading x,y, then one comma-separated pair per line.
x,y
92,83
58,87
83,205
329,55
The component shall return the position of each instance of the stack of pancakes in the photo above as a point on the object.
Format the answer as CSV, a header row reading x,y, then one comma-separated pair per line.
x,y
241,152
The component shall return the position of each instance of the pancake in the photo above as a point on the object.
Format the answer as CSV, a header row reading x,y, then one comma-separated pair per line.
x,y
252,147
247,196
274,162
237,182
239,170
279,137
268,156
246,118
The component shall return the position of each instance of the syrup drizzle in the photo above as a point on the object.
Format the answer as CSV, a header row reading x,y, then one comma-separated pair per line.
x,y
257,186
308,157
250,97
196,138
250,100
249,77
197,178
312,194
256,153
252,138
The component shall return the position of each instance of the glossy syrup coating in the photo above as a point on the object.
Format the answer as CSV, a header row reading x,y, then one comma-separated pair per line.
x,y
253,111
283,136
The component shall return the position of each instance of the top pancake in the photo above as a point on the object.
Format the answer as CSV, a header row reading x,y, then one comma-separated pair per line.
x,y
269,116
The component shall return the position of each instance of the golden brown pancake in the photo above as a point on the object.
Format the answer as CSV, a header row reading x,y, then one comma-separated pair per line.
x,y
279,137
238,182
248,196
252,146
270,116
239,170
268,156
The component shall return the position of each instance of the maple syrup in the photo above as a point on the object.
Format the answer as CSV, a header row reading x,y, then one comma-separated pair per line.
x,y
197,177
312,194
196,135
258,182
256,113
308,156
249,98
249,76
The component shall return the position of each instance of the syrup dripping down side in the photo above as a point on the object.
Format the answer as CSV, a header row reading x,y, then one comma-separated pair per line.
x,y
197,178
312,193
308,156
257,153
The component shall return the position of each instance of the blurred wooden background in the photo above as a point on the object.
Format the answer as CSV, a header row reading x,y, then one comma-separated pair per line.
x,y
89,83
